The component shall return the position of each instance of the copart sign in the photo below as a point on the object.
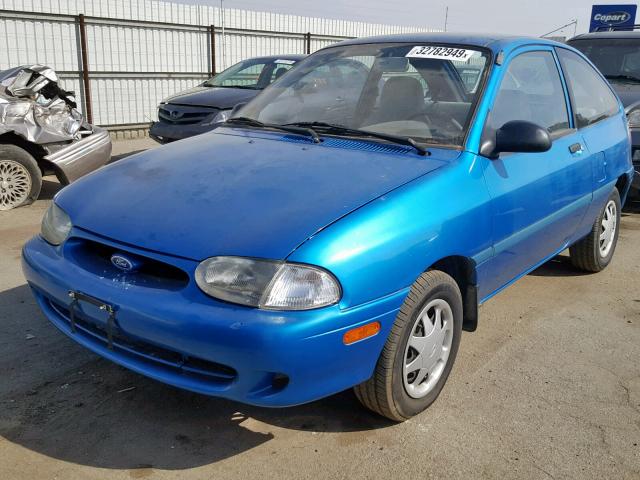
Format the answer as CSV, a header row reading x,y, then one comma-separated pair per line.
x,y
604,17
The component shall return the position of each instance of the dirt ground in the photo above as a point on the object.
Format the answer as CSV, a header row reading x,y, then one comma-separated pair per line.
x,y
548,387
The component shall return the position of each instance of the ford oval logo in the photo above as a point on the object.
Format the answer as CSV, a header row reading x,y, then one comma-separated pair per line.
x,y
122,262
613,18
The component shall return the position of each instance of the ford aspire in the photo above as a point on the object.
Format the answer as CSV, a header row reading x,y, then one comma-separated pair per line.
x,y
341,233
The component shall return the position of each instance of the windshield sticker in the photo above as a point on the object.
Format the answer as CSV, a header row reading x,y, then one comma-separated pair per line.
x,y
443,53
286,62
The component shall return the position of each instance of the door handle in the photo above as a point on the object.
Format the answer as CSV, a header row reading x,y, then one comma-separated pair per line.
x,y
575,148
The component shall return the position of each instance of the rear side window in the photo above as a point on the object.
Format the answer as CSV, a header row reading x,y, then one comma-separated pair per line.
x,y
531,90
591,96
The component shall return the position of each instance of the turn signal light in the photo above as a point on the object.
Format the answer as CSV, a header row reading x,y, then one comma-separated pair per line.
x,y
360,333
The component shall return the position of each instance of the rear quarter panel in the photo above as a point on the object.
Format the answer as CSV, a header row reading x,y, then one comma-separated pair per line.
x,y
609,141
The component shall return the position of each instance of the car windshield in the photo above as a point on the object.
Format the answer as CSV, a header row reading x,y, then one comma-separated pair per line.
x,y
617,59
421,92
253,74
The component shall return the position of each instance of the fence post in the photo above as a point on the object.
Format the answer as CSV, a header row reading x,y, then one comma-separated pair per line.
x,y
85,69
308,42
212,31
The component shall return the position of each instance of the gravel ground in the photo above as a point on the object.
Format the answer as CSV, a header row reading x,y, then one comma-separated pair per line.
x,y
548,387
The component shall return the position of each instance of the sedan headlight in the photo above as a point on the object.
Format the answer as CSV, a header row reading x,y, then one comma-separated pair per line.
x,y
267,284
221,117
56,225
633,117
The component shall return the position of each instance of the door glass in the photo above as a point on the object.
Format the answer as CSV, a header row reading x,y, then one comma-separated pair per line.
x,y
591,96
531,90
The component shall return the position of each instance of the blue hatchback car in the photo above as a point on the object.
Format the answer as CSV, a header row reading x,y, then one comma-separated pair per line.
x,y
343,227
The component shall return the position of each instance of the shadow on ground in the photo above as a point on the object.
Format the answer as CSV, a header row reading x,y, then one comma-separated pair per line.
x,y
49,189
62,401
559,266
632,205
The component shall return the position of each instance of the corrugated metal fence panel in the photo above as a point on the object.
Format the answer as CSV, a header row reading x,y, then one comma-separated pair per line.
x,y
127,49
133,100
131,65
28,41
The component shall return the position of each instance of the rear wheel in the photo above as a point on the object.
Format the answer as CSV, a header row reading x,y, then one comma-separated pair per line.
x,y
420,351
594,252
20,177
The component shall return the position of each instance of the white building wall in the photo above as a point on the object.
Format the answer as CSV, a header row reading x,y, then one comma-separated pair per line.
x,y
132,67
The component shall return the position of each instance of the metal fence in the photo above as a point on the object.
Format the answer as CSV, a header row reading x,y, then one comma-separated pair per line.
x,y
120,68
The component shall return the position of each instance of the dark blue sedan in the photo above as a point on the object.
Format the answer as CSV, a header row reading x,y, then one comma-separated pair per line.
x,y
343,227
204,107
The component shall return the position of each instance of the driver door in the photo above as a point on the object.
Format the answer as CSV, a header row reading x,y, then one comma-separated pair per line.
x,y
538,199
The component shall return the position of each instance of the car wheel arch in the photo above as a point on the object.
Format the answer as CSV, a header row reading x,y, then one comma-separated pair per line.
x,y
621,184
35,150
463,270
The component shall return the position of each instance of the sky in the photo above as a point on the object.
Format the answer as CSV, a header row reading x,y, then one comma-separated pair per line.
x,y
533,17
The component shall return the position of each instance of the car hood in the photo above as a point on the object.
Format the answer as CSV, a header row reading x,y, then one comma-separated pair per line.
x,y
629,93
212,97
237,193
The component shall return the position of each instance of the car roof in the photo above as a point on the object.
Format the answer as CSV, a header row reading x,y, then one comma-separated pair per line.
x,y
493,42
607,34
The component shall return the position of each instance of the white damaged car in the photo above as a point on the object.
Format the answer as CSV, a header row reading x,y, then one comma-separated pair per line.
x,y
42,133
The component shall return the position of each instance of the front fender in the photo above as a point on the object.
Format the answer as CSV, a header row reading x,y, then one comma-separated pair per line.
x,y
384,246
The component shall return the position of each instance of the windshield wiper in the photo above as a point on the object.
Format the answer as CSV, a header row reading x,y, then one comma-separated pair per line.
x,y
356,132
251,122
628,78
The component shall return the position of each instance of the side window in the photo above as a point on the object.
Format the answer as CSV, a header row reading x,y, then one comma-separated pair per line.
x,y
591,96
531,90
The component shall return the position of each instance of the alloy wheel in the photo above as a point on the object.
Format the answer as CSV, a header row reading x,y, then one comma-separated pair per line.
x,y
608,228
15,184
428,348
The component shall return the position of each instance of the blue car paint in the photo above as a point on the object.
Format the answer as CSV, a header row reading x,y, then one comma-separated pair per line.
x,y
375,238
273,186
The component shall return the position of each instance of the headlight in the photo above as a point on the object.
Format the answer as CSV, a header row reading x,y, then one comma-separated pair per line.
x,y
56,225
267,284
633,117
221,117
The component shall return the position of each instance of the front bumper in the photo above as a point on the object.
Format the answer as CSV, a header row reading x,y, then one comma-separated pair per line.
x,y
166,133
83,156
182,337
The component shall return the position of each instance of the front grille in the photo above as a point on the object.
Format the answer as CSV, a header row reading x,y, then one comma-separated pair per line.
x,y
95,257
182,115
148,353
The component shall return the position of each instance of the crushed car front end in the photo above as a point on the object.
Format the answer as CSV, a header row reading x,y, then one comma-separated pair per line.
x,y
45,134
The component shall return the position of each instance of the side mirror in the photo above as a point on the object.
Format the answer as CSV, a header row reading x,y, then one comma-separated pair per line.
x,y
517,136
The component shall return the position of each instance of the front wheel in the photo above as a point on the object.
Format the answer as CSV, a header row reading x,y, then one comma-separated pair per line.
x,y
594,252
20,177
420,351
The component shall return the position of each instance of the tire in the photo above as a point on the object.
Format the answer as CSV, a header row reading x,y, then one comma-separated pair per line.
x,y
390,391
593,253
20,178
